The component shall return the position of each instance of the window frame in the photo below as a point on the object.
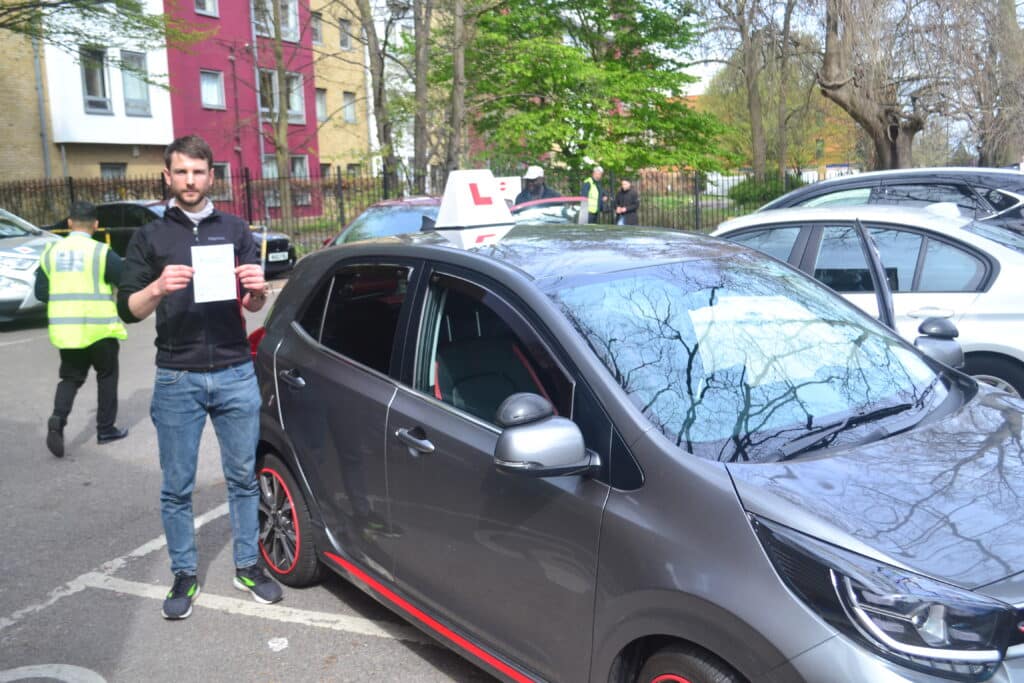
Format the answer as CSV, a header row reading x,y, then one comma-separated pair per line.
x,y
220,84
348,108
92,103
215,12
142,108
222,189
263,19
320,100
345,34
316,28
296,117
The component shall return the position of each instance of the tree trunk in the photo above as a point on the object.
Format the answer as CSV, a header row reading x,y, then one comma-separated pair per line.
x,y
891,131
751,73
422,10
382,116
783,83
457,113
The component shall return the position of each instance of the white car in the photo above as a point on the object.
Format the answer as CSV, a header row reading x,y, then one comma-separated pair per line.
x,y
21,245
937,265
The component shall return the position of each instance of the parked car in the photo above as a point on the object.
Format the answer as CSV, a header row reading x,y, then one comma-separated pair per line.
x,y
551,210
21,245
629,454
985,194
389,217
937,265
119,221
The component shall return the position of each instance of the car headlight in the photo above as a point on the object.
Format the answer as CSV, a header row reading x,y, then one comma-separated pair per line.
x,y
12,262
9,285
910,619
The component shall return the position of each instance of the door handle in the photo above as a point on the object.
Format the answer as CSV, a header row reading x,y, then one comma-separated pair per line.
x,y
932,312
293,378
415,443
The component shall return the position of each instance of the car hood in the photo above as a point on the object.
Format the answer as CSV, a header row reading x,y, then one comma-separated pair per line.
x,y
27,246
271,234
946,500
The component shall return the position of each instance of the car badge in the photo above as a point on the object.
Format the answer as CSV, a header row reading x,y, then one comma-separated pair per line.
x,y
24,250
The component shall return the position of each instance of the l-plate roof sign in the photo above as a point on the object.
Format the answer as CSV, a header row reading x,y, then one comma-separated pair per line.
x,y
472,211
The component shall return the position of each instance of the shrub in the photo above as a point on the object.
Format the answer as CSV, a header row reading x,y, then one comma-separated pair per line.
x,y
750,191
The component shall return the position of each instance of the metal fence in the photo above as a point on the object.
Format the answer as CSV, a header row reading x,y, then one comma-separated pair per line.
x,y
321,206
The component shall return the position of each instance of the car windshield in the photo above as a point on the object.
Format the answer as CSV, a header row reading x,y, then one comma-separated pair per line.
x,y
12,226
383,221
558,210
1004,236
734,359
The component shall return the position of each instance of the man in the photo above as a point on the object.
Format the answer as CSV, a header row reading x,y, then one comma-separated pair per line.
x,y
597,200
203,364
627,202
76,277
534,187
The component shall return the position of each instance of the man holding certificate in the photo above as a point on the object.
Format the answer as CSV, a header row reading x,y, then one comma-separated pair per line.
x,y
196,267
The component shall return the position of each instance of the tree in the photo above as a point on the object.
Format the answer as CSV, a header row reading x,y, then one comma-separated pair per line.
x,y
588,82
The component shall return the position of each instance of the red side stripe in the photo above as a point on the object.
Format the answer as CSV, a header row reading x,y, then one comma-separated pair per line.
x,y
429,622
437,381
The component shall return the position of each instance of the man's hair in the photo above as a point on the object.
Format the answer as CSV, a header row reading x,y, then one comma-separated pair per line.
x,y
191,146
83,212
598,169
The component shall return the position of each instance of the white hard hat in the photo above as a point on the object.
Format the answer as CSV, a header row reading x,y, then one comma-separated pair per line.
x,y
533,172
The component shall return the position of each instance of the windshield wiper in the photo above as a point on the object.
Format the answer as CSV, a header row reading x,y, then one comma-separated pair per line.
x,y
826,434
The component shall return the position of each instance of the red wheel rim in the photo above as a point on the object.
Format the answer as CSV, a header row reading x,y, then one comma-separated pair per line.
x,y
272,510
669,678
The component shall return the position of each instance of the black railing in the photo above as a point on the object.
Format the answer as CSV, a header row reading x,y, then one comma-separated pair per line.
x,y
321,207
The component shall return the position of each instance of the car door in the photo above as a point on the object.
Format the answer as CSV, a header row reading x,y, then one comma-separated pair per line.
x,y
836,256
508,559
334,390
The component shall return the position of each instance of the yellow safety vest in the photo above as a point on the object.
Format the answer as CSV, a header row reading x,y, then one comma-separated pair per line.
x,y
81,308
593,196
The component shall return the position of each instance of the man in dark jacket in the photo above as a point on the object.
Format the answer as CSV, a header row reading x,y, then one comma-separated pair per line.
x,y
180,266
534,186
627,201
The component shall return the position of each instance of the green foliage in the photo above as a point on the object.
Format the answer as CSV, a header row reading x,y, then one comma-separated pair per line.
x,y
587,80
750,191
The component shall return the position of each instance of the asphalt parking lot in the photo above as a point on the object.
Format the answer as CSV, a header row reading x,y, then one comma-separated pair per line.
x,y
84,566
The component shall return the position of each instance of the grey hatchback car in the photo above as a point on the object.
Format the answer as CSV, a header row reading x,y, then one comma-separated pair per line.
x,y
588,453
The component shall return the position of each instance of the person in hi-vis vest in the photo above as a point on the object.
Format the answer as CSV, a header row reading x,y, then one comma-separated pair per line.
x,y
76,278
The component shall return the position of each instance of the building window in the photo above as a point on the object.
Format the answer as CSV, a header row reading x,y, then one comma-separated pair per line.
x,y
94,80
289,15
294,96
207,7
354,169
349,107
113,171
325,171
299,170
346,34
316,27
136,89
221,191
321,104
211,89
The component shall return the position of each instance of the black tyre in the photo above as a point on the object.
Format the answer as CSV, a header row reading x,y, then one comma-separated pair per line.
x,y
686,664
996,371
286,538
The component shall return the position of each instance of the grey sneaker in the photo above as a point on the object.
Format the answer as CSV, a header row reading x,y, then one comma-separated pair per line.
x,y
263,588
178,603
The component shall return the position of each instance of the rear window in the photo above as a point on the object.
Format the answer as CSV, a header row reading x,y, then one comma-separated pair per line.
x,y
1004,236
385,221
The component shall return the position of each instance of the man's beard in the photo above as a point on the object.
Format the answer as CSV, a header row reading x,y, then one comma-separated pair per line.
x,y
191,207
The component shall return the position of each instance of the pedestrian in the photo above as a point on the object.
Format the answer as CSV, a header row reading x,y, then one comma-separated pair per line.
x,y
203,362
627,201
534,186
75,278
597,200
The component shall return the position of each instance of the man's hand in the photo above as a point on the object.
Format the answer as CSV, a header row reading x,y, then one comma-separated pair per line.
x,y
251,277
172,279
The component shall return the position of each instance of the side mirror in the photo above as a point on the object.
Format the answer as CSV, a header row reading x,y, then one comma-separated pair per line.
x,y
938,340
537,443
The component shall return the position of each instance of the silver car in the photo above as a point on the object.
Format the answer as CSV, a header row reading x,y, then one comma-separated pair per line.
x,y
586,453
21,244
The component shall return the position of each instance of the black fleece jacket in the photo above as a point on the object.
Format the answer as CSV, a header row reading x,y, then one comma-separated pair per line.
x,y
189,336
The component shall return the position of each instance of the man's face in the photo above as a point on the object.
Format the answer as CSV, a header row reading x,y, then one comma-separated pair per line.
x,y
626,185
598,174
533,185
189,181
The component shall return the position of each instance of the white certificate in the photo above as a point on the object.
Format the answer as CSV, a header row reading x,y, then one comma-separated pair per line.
x,y
214,276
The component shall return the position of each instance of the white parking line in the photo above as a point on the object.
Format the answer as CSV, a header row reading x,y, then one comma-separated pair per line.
x,y
248,608
103,579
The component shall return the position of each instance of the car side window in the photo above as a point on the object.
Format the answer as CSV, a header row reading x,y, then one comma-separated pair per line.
x,y
922,195
777,242
841,263
899,250
109,216
855,197
475,352
361,313
949,269
1000,200
136,216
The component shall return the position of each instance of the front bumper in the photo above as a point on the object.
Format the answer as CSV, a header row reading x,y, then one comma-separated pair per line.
x,y
19,302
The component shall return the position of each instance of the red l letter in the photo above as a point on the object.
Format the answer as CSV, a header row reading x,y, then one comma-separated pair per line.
x,y
477,199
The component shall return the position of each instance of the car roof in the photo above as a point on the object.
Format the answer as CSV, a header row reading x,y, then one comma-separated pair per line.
x,y
408,201
917,217
549,252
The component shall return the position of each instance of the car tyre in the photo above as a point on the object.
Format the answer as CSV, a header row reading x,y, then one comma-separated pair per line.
x,y
686,664
999,372
286,529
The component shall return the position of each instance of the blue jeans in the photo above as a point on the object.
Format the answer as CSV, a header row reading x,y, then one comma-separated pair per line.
x,y
181,402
